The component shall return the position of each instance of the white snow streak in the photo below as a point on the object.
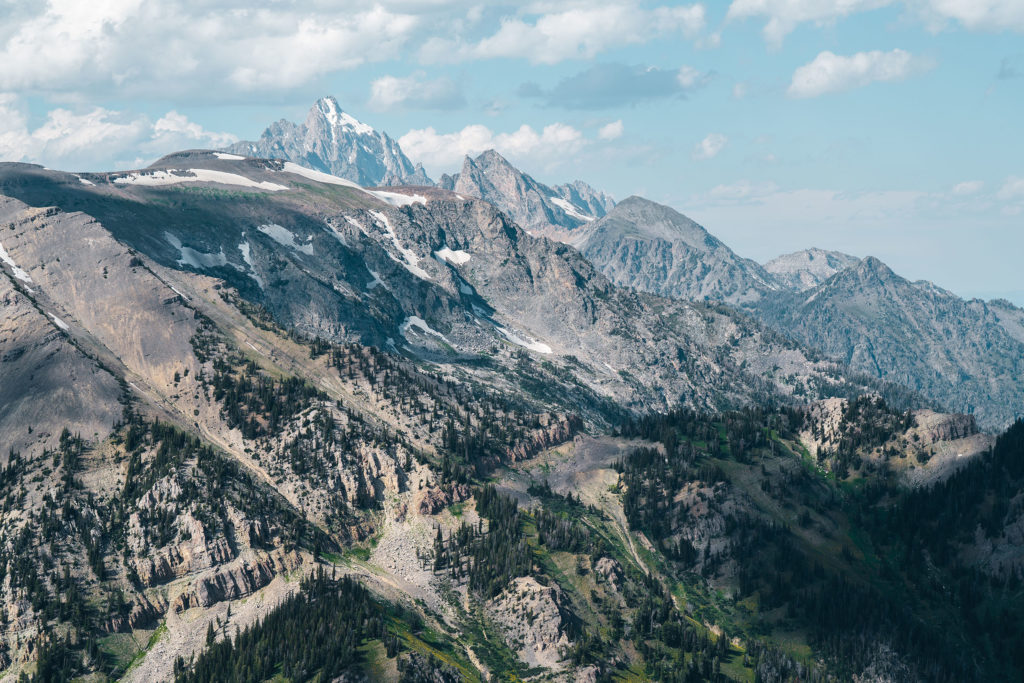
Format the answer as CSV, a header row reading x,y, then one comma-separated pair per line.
x,y
18,272
285,238
416,321
537,346
198,175
570,209
411,259
457,257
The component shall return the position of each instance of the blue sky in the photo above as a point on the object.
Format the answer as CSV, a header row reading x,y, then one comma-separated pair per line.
x,y
882,127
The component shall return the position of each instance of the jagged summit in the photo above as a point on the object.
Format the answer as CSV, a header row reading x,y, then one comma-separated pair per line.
x,y
333,141
808,268
557,212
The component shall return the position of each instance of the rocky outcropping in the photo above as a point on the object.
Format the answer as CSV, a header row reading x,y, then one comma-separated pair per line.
x,y
244,576
533,619
436,499
553,431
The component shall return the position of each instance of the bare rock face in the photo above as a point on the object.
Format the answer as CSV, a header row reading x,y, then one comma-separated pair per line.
x,y
245,576
554,431
532,617
436,499
334,142
610,571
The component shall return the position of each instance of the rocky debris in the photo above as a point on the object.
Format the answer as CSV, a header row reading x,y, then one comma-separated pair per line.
x,y
334,142
436,499
533,619
554,431
242,577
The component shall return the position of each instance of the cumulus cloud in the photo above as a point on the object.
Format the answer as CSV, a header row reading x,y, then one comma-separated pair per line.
x,y
444,151
710,146
968,187
783,16
133,46
1013,188
580,32
830,73
67,139
415,92
611,131
611,85
976,15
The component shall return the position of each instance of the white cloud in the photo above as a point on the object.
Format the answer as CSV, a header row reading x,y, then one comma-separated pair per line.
x,y
1013,188
710,146
785,15
968,187
444,151
67,139
611,131
739,91
178,46
580,32
976,15
830,73
415,91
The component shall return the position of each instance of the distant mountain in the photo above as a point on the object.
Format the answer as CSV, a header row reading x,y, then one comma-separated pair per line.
x,y
968,355
808,268
556,212
654,248
334,142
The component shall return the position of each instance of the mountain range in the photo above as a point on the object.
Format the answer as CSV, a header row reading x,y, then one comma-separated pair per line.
x,y
292,411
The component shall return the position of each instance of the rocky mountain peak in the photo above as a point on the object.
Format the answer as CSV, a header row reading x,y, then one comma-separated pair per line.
x,y
652,247
333,141
808,268
557,212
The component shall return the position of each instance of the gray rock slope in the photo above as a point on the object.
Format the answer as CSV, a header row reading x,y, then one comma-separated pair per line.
x,y
424,273
808,268
967,355
653,248
558,212
332,141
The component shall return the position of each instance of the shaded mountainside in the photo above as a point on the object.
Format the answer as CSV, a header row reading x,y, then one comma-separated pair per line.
x,y
656,249
559,212
967,355
259,421
332,141
805,269
426,273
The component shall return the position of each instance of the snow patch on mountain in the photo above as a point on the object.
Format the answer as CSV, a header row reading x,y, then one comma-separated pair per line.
x,y
457,257
285,238
197,259
195,175
18,272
